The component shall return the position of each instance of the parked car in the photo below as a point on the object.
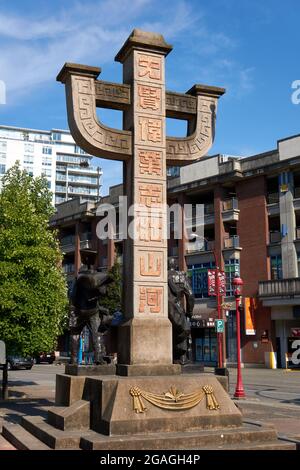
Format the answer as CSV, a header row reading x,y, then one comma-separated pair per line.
x,y
19,362
45,357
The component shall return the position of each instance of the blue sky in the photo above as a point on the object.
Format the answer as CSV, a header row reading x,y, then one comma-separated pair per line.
x,y
248,46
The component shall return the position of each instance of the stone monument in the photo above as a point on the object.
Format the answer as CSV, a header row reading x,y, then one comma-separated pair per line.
x,y
148,403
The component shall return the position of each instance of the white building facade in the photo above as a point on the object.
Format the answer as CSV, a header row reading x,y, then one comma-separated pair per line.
x,y
54,154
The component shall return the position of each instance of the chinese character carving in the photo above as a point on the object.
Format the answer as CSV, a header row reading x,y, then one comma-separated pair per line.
x,y
153,267
150,195
150,67
149,97
150,129
150,297
150,163
149,228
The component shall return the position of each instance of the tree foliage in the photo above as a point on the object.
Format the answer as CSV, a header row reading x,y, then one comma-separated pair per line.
x,y
113,298
33,294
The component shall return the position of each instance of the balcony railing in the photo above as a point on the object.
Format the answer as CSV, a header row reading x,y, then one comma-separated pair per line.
x,y
232,242
200,246
279,288
296,193
209,209
230,204
275,237
68,268
273,198
68,240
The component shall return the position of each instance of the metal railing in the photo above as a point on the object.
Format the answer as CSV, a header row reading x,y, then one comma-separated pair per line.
x,y
275,237
279,288
232,242
230,204
200,246
273,198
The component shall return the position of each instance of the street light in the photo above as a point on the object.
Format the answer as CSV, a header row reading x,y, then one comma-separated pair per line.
x,y
237,285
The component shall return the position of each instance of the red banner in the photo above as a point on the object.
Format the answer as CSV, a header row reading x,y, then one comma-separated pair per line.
x,y
212,282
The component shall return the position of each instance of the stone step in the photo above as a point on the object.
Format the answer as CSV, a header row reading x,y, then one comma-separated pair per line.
x,y
272,445
248,436
21,439
70,418
5,445
49,435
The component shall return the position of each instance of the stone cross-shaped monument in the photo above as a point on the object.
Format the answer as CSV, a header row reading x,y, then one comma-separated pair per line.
x,y
146,338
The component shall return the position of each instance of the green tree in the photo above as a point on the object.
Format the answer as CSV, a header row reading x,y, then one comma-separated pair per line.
x,y
113,299
33,293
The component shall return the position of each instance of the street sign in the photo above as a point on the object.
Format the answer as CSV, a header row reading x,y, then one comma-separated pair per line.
x,y
2,353
219,326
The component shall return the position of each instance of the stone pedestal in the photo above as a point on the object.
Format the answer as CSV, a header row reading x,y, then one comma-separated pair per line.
x,y
90,370
141,405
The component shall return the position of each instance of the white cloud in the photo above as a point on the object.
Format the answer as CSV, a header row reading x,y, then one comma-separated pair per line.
x,y
34,48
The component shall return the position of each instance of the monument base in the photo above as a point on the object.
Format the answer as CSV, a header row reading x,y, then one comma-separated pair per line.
x,y
139,413
147,370
90,370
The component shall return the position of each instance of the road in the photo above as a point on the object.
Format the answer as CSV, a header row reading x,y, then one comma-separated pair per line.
x,y
273,396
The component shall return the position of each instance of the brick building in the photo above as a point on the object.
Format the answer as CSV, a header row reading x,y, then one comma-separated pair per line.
x,y
251,227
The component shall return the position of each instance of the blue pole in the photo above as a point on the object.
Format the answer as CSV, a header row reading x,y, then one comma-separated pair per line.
x,y
79,356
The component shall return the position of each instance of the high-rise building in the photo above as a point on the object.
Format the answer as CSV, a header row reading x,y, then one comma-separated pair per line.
x,y
53,153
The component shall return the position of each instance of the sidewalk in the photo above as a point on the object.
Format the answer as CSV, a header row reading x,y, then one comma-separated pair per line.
x,y
272,396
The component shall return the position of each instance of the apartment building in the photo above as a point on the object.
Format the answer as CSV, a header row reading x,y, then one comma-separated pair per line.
x,y
54,154
251,227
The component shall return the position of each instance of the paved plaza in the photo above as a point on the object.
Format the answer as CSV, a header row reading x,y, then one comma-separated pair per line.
x,y
273,396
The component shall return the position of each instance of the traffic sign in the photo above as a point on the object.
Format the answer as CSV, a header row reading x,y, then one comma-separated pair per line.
x,y
219,326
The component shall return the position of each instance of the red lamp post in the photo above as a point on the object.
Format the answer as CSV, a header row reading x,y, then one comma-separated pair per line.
x,y
237,285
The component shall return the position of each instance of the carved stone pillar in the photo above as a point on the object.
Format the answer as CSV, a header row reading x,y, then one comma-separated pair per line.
x,y
148,331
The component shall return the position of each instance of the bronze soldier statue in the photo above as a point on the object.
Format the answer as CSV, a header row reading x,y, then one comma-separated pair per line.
x,y
179,289
86,310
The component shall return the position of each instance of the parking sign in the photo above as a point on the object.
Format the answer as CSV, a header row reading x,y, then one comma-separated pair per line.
x,y
219,326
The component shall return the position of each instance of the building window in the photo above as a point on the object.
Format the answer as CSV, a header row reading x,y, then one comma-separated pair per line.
x,y
198,276
2,169
28,159
46,161
56,136
47,150
3,146
232,267
79,150
29,148
47,172
276,267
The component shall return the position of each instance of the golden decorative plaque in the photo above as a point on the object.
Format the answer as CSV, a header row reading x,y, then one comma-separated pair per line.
x,y
173,399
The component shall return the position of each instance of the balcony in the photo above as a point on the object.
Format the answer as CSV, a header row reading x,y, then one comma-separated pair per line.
x,y
200,246
280,288
230,210
86,241
296,193
232,243
68,244
274,237
273,198
69,268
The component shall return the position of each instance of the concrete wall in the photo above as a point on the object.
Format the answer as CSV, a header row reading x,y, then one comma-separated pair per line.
x,y
205,168
289,148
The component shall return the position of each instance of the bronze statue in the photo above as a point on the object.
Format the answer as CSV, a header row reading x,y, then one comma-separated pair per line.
x,y
179,289
86,310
